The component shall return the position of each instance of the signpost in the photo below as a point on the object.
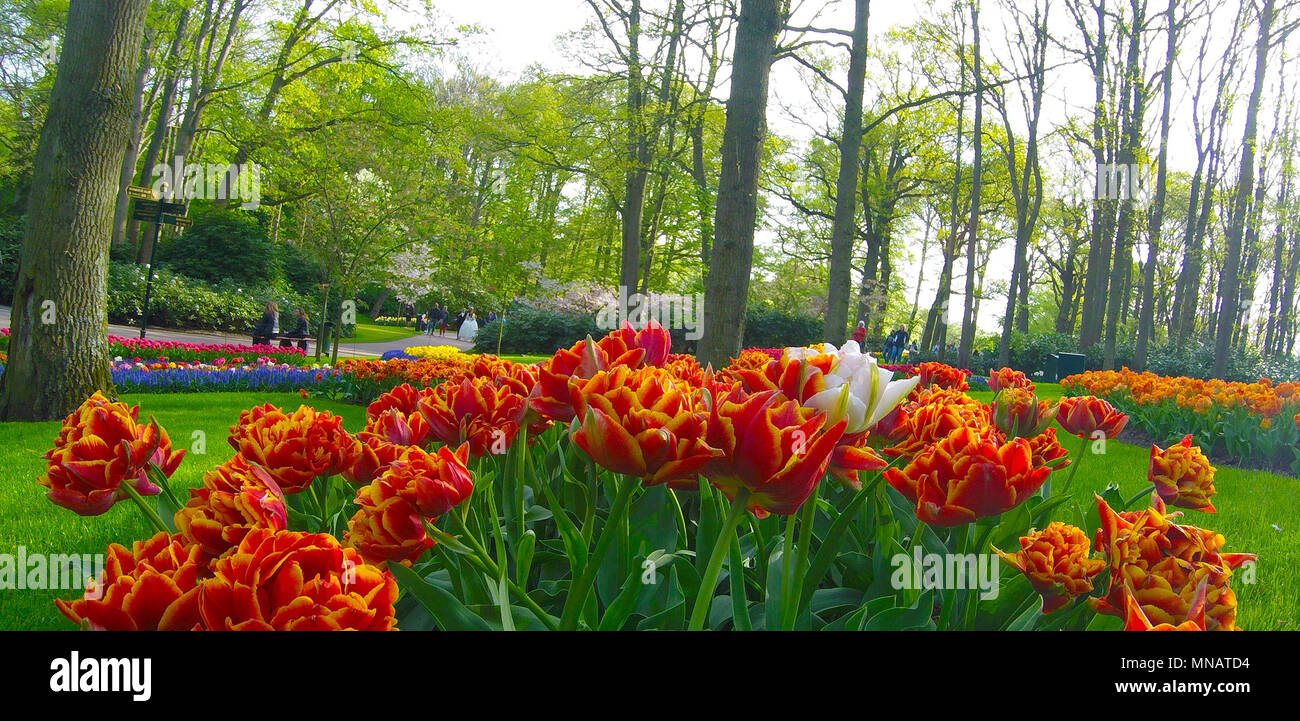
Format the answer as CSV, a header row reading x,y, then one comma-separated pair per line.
x,y
150,209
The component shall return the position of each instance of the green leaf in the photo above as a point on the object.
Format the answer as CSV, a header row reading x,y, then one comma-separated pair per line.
x,y
447,611
1027,620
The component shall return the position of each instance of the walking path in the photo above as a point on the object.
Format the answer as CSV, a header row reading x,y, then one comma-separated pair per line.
x,y
346,349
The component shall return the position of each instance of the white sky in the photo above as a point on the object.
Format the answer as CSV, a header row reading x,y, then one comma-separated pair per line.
x,y
520,33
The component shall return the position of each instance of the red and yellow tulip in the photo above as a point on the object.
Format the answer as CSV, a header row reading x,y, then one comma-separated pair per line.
x,y
1055,561
1182,475
154,586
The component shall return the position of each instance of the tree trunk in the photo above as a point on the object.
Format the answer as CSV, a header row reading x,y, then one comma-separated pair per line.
x,y
58,351
727,290
843,227
1229,284
968,315
1146,318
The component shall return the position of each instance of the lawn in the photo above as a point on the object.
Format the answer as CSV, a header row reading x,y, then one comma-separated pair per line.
x,y
28,519
1258,512
368,332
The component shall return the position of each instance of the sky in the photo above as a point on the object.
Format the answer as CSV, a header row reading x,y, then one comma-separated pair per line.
x,y
517,34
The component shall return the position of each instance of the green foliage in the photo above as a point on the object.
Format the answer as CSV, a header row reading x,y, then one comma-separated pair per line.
x,y
771,327
223,244
177,301
530,330
11,248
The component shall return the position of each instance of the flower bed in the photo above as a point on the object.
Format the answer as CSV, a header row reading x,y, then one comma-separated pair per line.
x,y
1252,424
498,472
198,377
202,352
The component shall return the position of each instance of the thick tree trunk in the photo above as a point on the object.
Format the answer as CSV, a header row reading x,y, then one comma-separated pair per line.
x,y
58,351
727,290
842,229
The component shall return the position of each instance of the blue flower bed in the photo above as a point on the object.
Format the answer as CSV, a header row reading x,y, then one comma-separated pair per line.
x,y
183,380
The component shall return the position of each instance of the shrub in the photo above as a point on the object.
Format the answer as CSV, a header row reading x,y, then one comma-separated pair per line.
x,y
181,302
769,327
225,244
533,331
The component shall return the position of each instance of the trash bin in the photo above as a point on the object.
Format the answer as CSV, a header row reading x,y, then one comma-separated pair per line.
x,y
1068,364
1050,374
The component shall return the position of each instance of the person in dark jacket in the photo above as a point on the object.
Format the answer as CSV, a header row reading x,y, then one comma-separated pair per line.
x,y
300,331
268,326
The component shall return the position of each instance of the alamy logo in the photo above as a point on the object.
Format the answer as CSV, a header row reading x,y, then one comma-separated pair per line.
x,y
670,310
1121,181
947,571
94,675
208,181
51,572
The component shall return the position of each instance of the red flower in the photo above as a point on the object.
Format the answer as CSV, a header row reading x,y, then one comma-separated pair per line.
x,y
217,520
1005,378
641,424
1086,415
99,447
968,476
291,581
432,483
771,446
474,411
1182,475
1055,561
152,587
297,449
389,530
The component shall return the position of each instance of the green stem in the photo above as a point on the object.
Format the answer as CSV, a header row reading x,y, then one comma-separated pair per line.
x,y
577,597
1083,450
826,553
704,596
149,512
484,564
1144,492
792,602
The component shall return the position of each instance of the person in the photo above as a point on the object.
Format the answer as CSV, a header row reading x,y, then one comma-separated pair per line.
x,y
860,333
268,326
492,315
422,322
900,340
301,331
468,327
446,316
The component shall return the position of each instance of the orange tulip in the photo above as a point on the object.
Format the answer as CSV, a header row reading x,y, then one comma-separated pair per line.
x,y
297,449
643,424
99,447
404,398
770,445
941,375
1162,564
967,476
152,587
1005,378
217,521
1047,451
291,581
390,530
1018,413
1085,415
239,430
1055,561
1182,475
474,411
432,483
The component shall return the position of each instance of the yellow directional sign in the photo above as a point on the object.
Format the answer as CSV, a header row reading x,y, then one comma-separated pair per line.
x,y
140,193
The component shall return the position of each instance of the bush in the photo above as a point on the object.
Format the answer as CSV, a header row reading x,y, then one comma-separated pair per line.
x,y
225,244
180,302
529,330
769,327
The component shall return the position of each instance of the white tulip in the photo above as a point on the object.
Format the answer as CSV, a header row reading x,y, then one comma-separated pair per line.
x,y
858,390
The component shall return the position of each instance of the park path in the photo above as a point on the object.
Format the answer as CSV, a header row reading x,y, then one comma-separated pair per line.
x,y
346,349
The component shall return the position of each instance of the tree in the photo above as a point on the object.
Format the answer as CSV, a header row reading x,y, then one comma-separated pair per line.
x,y
58,351
842,233
727,289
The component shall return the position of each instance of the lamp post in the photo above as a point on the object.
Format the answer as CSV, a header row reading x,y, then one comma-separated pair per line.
x,y
149,208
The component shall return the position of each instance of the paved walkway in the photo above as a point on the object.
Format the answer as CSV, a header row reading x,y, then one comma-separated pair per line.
x,y
346,349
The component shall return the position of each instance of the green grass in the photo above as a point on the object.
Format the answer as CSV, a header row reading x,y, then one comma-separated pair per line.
x,y
368,332
524,358
1249,503
28,519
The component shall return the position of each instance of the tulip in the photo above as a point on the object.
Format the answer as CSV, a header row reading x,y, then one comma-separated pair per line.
x,y
1005,378
1135,619
1056,564
432,483
772,448
291,581
390,530
1018,413
217,520
152,587
641,424
474,411
1085,415
942,375
297,449
1161,564
99,447
968,476
1182,475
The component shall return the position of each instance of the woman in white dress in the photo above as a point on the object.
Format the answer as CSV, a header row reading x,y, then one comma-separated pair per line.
x,y
469,328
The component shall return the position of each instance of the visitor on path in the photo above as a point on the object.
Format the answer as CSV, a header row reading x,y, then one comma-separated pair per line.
x,y
423,322
492,315
860,333
301,331
468,327
894,345
444,316
268,326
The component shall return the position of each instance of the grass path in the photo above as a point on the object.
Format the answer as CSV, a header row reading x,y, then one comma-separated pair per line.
x,y
1250,503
